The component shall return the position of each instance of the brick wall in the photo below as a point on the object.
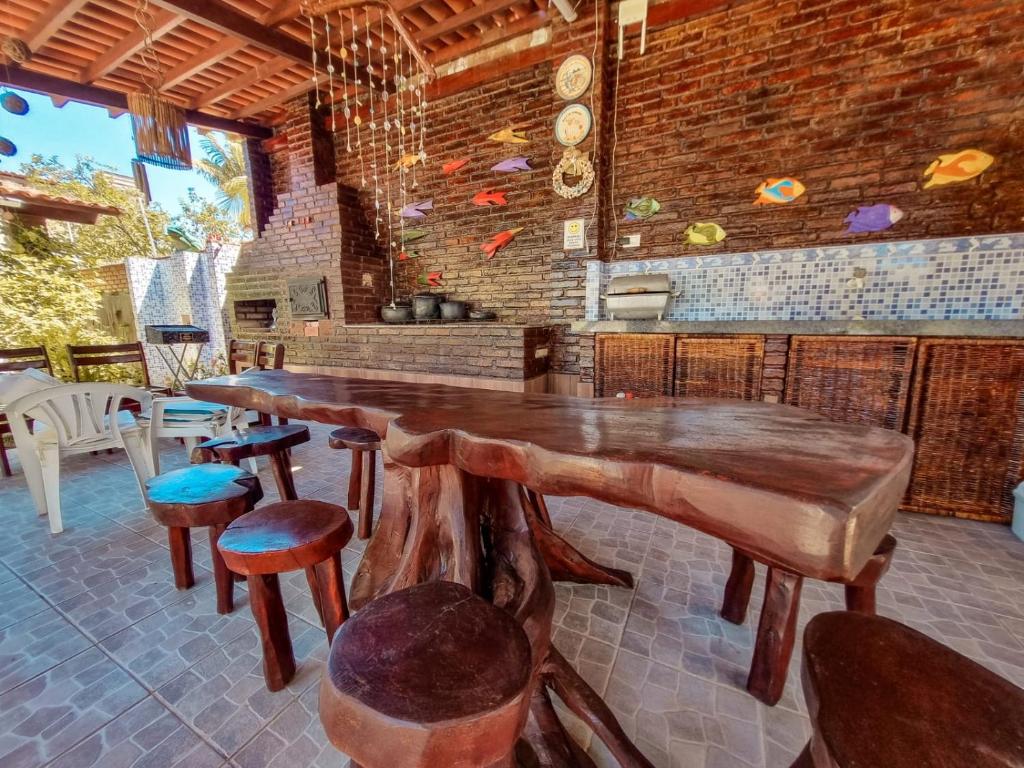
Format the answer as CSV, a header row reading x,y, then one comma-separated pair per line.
x,y
854,99
110,278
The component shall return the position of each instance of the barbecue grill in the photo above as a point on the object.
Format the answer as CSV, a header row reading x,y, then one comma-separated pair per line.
x,y
172,342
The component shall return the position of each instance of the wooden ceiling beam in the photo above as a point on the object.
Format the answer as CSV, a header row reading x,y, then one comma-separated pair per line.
x,y
207,57
491,37
38,82
225,19
128,46
244,80
273,99
50,19
464,19
285,10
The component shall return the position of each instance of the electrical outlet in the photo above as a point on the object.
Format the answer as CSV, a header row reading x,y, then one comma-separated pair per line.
x,y
629,241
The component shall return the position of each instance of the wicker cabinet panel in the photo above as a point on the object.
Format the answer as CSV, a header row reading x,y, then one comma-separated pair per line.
x,y
719,366
640,363
967,420
854,380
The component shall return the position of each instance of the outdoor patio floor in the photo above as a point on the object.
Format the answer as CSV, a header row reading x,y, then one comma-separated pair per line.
x,y
104,663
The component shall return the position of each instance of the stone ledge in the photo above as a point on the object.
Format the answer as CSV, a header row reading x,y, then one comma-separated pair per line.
x,y
954,328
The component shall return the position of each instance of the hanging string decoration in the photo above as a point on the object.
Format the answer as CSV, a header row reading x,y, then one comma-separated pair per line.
x,y
158,126
383,78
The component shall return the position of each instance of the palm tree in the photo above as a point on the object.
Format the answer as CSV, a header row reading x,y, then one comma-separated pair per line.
x,y
224,166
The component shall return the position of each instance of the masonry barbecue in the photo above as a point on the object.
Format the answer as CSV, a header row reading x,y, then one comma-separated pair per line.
x,y
639,297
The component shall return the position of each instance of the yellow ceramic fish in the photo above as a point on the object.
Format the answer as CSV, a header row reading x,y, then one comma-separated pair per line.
x,y
961,166
408,161
509,136
704,233
779,191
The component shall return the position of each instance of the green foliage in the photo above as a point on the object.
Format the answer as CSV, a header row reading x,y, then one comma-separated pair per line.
x,y
204,221
224,166
45,300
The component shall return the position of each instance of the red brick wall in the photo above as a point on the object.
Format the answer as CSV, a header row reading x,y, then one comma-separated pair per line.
x,y
854,99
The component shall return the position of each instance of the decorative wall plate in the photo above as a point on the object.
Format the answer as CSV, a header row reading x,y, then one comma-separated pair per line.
x,y
574,77
573,124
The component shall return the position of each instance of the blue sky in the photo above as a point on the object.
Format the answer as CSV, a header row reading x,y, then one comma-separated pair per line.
x,y
80,129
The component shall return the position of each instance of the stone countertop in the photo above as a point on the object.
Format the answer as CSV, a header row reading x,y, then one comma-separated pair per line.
x,y
959,328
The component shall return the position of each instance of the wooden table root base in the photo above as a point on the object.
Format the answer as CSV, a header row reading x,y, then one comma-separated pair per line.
x,y
440,523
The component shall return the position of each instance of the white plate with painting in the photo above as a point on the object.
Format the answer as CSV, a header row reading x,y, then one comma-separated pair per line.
x,y
573,125
574,77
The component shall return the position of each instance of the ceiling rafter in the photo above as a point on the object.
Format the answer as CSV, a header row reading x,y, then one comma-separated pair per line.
x,y
273,99
466,18
50,21
207,57
522,26
244,80
129,45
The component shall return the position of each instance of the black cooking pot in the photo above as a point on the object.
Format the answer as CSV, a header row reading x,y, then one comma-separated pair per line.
x,y
424,305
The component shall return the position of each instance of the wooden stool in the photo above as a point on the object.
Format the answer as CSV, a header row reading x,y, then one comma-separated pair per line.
x,y
282,537
364,444
273,441
882,694
774,648
210,495
426,677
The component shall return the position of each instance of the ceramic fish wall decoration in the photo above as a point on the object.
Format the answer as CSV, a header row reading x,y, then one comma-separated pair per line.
x,y
509,136
512,165
406,255
873,218
960,166
490,198
453,165
779,191
431,279
499,241
413,234
416,210
7,147
640,208
407,161
704,233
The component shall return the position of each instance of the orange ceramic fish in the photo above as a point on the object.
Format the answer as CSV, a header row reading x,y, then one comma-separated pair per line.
x,y
454,165
779,191
499,241
490,198
961,166
431,279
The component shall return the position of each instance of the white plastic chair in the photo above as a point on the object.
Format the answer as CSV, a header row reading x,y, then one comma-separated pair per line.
x,y
195,419
72,419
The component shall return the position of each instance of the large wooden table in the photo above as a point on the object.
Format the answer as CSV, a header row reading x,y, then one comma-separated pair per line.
x,y
790,488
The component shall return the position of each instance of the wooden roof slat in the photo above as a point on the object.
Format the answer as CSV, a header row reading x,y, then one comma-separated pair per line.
x,y
207,57
131,44
494,36
274,99
49,22
461,20
244,80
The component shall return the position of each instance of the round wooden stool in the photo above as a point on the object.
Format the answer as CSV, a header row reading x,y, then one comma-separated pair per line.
x,y
882,694
205,495
278,538
364,444
428,676
266,440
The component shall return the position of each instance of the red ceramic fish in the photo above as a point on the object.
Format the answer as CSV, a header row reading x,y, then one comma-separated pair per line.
x,y
499,241
454,165
430,279
490,198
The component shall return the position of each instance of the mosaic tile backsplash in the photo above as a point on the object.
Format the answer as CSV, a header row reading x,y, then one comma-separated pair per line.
x,y
963,278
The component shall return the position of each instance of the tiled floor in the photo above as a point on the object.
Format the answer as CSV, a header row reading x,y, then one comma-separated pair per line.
x,y
104,663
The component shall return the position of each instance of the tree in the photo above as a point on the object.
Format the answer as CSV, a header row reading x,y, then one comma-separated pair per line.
x,y
205,222
224,166
45,299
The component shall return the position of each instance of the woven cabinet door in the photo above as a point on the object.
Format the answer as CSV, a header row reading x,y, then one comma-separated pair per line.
x,y
637,363
719,366
853,380
967,421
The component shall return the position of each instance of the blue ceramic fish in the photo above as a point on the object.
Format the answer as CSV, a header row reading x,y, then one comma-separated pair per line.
x,y
13,103
416,210
512,165
873,218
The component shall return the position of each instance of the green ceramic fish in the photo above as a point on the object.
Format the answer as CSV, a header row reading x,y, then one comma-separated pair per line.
x,y
414,234
640,208
704,233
